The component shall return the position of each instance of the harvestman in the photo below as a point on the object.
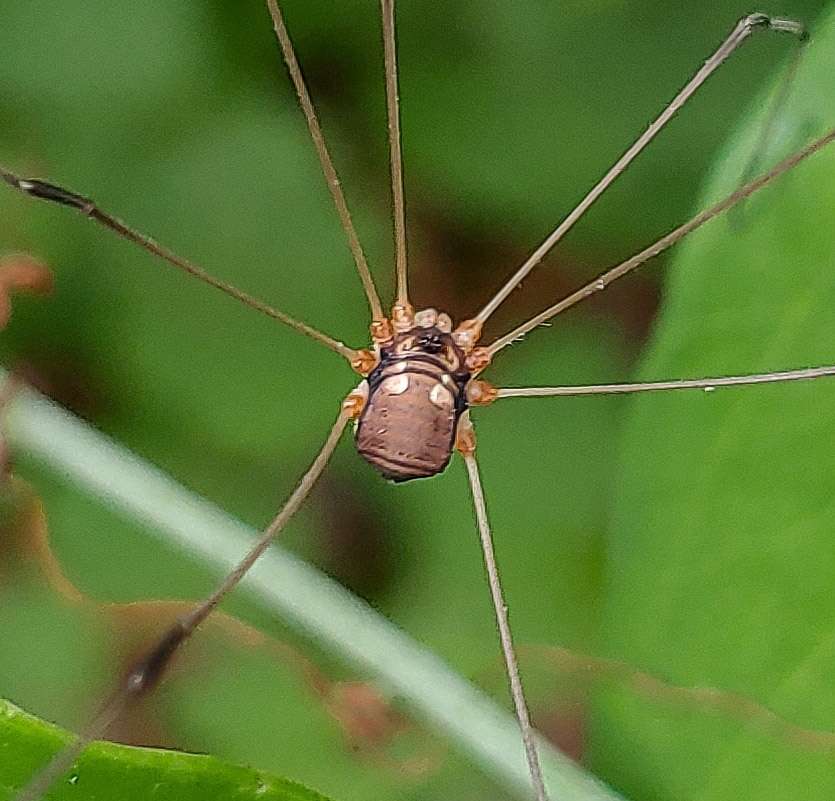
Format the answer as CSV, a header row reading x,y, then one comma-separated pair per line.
x,y
420,374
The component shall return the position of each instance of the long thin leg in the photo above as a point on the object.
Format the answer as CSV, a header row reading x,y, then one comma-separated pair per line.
x,y
149,670
395,154
64,197
466,445
603,280
331,178
743,29
707,384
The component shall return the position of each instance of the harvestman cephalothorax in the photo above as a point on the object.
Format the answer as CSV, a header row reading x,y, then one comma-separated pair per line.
x,y
421,373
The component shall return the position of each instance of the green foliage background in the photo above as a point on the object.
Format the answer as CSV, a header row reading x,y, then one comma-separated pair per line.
x,y
687,535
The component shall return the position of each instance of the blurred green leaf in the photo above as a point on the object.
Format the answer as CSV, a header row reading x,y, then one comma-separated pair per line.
x,y
719,571
116,771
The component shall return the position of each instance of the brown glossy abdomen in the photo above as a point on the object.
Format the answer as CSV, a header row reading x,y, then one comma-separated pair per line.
x,y
407,429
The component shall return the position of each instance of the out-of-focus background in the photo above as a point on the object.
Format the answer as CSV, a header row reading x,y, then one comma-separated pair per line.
x,y
179,118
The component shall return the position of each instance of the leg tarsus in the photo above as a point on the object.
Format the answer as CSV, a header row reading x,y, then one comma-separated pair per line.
x,y
781,24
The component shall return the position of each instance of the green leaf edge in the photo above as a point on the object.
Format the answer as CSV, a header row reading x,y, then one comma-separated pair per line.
x,y
129,771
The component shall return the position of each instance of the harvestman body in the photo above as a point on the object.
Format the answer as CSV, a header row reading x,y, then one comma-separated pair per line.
x,y
420,374
416,396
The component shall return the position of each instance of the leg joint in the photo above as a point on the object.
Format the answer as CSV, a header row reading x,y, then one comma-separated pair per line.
x,y
148,672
